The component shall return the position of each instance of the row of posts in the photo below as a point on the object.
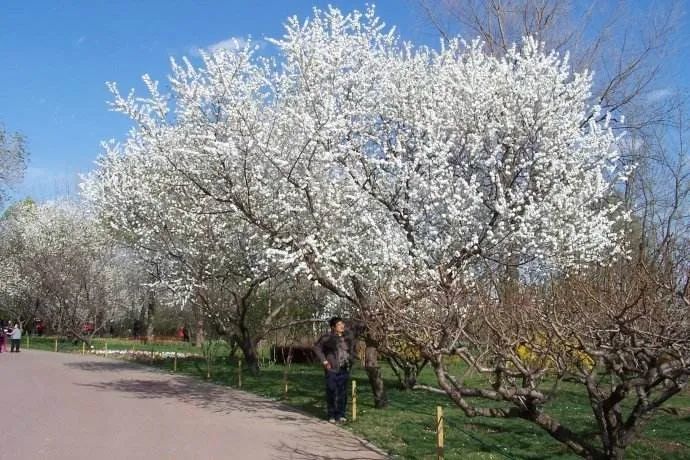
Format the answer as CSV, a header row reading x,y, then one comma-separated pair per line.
x,y
439,409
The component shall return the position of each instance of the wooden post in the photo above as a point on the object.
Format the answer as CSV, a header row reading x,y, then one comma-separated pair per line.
x,y
239,373
175,362
152,354
106,349
83,347
285,381
439,432
56,340
28,341
354,400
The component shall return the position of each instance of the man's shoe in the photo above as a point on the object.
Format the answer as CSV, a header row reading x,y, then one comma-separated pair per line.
x,y
331,420
342,420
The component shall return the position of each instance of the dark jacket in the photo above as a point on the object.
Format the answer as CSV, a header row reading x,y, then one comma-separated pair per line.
x,y
326,349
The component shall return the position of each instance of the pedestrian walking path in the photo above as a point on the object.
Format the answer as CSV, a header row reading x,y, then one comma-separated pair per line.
x,y
60,406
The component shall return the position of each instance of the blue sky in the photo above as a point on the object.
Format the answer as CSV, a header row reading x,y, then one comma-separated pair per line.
x,y
57,55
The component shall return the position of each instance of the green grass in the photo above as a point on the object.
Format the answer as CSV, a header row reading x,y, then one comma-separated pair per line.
x,y
407,428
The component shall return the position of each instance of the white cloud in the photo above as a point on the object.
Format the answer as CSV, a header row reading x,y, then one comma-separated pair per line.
x,y
80,41
230,44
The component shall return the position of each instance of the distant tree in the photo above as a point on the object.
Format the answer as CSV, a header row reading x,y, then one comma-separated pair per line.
x,y
56,258
20,299
625,44
13,156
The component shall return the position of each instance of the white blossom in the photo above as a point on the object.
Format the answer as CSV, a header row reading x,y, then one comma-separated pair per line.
x,y
353,157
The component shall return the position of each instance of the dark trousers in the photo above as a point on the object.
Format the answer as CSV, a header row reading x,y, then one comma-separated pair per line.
x,y
15,345
336,392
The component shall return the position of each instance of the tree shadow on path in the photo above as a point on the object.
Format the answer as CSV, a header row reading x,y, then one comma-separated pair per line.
x,y
137,381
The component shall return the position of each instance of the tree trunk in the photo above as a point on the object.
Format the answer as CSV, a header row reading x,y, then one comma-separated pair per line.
x,y
410,377
406,372
615,447
615,453
139,326
509,285
371,365
199,333
249,351
150,316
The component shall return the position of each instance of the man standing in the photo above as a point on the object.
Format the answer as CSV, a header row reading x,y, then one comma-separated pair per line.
x,y
335,351
16,338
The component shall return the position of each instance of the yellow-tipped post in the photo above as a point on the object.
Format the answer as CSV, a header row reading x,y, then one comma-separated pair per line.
x,y
106,349
285,380
439,432
83,348
175,362
239,373
56,343
28,341
354,400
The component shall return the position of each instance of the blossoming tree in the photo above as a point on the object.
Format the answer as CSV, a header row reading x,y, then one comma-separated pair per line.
x,y
56,258
205,256
401,178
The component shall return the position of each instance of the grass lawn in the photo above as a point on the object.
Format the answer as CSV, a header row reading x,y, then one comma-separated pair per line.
x,y
407,427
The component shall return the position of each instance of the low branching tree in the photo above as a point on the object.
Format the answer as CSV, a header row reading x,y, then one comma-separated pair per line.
x,y
620,332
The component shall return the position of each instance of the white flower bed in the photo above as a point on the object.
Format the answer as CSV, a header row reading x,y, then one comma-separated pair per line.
x,y
135,354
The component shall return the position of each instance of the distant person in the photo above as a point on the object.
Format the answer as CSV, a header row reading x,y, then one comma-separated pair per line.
x,y
16,336
185,334
335,350
2,340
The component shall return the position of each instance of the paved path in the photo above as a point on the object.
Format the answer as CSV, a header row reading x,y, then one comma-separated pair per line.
x,y
59,406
